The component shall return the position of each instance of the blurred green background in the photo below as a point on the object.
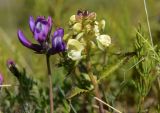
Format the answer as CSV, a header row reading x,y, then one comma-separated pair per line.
x,y
122,17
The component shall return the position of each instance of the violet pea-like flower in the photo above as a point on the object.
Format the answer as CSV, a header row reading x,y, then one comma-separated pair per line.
x,y
41,29
58,44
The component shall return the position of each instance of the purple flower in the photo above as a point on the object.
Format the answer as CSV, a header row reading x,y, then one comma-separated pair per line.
x,y
1,79
41,29
57,42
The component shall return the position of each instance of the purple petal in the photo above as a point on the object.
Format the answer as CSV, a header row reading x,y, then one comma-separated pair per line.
x,y
49,22
40,34
79,12
39,19
42,28
57,42
59,32
31,23
27,43
57,37
10,63
23,39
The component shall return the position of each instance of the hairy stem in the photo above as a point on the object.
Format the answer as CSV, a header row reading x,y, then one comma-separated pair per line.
x,y
94,81
96,88
50,84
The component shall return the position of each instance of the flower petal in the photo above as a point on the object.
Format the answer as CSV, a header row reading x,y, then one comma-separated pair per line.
x,y
74,44
59,32
42,29
49,19
23,39
75,55
75,49
57,38
103,41
58,45
31,23
27,43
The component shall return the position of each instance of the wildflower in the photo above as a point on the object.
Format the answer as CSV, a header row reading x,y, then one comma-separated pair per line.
x,y
85,30
75,48
41,29
103,41
57,42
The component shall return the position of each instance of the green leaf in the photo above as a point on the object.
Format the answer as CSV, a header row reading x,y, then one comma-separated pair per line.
x,y
75,91
106,72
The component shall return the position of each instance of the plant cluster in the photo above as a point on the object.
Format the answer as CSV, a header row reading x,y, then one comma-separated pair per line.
x,y
83,53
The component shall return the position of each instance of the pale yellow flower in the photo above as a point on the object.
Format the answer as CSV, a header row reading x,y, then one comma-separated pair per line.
x,y
103,41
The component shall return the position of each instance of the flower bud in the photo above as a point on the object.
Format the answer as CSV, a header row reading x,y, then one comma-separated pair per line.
x,y
73,19
92,16
102,24
77,27
12,67
96,30
96,23
103,41
88,28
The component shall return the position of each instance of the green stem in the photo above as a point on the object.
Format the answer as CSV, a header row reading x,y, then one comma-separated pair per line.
x,y
140,104
50,84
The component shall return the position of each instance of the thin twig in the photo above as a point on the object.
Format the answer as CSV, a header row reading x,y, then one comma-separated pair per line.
x,y
149,28
107,105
